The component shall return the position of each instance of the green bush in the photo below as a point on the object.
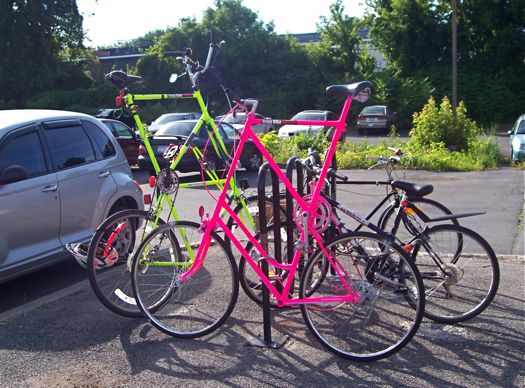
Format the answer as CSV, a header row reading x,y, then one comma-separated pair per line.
x,y
435,125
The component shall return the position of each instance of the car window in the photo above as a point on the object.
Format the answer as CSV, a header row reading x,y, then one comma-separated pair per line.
x,y
373,110
228,130
24,148
168,118
309,116
103,142
70,146
332,116
176,129
122,130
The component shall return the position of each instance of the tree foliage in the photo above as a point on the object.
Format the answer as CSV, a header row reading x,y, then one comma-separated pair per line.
x,y
40,41
415,35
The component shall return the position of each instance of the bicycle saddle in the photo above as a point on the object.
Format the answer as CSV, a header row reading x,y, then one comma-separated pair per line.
x,y
121,79
413,189
361,91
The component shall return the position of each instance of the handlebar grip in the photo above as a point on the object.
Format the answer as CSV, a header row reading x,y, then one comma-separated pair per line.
x,y
396,151
342,178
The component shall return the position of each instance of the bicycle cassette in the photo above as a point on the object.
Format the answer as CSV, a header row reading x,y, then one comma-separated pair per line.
x,y
168,181
322,215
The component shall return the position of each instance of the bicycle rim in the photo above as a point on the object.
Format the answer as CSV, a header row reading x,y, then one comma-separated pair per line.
x,y
390,292
201,303
465,281
111,279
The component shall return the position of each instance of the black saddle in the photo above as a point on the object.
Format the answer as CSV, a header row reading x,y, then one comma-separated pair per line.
x,y
361,91
412,189
121,79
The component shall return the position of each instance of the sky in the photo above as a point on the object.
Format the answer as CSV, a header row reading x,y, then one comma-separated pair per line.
x,y
110,21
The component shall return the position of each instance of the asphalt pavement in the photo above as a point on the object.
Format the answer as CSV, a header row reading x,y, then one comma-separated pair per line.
x,y
68,339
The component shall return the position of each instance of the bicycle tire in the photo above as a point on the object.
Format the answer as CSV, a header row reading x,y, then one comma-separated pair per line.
x,y
468,283
112,283
404,233
384,320
250,281
203,301
252,205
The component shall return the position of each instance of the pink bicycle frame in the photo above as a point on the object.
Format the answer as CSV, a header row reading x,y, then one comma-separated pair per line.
x,y
309,208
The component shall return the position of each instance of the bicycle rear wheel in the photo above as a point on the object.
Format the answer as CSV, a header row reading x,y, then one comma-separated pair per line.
x,y
405,233
459,283
201,303
109,259
390,302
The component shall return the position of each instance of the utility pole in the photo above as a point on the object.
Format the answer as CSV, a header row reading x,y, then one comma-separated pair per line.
x,y
454,60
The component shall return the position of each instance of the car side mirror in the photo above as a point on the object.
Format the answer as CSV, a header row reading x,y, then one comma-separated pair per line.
x,y
509,132
13,174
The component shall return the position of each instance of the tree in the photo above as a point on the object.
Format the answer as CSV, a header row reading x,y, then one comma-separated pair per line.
x,y
415,35
40,40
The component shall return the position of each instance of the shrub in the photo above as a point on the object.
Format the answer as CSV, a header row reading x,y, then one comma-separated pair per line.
x,y
435,125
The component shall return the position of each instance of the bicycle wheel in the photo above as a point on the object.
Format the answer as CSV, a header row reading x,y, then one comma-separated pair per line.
x,y
405,232
109,259
203,301
251,282
459,284
249,215
390,301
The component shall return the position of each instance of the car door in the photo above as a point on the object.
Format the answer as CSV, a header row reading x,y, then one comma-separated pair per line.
x,y
84,178
30,206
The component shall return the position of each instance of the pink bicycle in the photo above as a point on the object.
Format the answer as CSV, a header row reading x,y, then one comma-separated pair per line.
x,y
361,296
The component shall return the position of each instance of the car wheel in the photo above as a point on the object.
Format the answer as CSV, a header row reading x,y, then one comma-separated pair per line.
x,y
360,131
253,161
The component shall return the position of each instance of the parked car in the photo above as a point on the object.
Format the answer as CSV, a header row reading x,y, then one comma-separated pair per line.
x,y
239,119
517,140
375,117
169,117
293,130
178,131
61,175
128,140
116,114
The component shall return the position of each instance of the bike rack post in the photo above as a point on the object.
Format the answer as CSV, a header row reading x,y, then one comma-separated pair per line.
x,y
266,341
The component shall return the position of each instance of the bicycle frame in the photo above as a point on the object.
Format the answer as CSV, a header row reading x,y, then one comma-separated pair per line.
x,y
215,139
307,208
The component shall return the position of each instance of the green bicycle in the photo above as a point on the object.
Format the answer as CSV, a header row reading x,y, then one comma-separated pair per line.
x,y
113,244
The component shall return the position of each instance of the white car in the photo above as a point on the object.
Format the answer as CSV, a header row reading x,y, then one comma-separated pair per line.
x,y
239,119
293,130
517,140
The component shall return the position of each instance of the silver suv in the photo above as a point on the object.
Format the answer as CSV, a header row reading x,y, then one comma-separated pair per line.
x,y
61,175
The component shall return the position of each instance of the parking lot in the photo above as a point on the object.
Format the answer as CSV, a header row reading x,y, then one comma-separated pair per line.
x,y
67,338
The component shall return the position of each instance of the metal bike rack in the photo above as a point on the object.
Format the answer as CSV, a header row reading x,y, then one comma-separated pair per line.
x,y
267,341
293,164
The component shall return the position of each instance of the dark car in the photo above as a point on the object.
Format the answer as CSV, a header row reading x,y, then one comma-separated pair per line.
x,y
178,131
375,117
116,114
61,175
126,138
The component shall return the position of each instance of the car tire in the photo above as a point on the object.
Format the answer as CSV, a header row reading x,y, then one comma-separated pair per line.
x,y
360,131
253,161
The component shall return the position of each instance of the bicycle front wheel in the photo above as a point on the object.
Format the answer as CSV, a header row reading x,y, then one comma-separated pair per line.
x,y
109,258
201,303
459,283
389,295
